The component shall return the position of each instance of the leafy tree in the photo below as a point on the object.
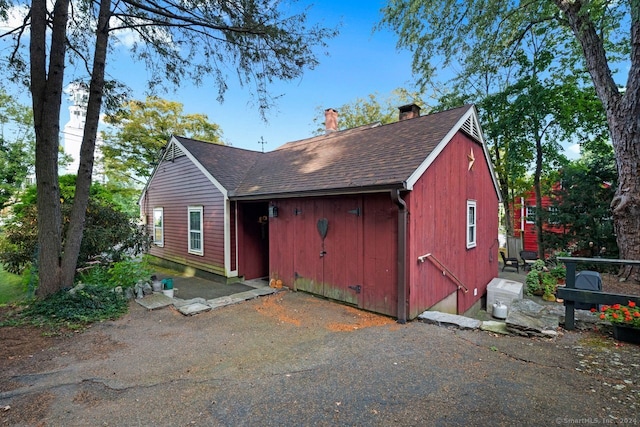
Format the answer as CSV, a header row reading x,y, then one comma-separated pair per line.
x,y
140,130
109,232
481,36
364,111
175,40
582,204
17,151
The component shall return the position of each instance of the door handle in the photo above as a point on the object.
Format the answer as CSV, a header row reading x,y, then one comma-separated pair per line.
x,y
322,253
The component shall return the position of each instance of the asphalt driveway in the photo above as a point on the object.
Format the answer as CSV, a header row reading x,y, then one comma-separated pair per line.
x,y
293,359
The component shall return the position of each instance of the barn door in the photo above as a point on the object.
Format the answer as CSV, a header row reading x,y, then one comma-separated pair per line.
x,y
307,246
328,259
343,258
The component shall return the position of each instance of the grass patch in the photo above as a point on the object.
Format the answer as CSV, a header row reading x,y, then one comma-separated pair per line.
x,y
13,288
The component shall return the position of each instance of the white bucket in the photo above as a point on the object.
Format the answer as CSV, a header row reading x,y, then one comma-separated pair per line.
x,y
168,292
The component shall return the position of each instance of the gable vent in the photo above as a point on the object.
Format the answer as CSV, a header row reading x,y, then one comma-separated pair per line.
x,y
472,127
174,152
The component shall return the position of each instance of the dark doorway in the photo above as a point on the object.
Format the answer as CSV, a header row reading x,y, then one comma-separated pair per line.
x,y
253,240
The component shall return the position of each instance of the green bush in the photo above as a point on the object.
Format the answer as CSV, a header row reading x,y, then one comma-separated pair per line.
x,y
74,308
125,273
108,233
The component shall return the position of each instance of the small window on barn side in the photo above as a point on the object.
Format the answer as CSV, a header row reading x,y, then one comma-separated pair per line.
x,y
471,223
531,214
158,226
195,230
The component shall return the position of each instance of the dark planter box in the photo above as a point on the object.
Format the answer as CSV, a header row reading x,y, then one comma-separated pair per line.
x,y
624,333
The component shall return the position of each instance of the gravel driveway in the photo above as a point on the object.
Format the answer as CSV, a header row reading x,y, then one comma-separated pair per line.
x,y
293,359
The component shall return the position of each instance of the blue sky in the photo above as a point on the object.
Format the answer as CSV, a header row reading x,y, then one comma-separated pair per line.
x,y
361,62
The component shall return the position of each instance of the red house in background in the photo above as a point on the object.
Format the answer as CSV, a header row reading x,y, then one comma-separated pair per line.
x,y
524,217
371,216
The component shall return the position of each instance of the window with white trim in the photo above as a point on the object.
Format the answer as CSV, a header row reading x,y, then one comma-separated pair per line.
x,y
158,226
471,223
195,230
531,214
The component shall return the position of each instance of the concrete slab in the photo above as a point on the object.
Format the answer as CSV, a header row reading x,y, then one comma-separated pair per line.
x,y
447,319
177,302
494,326
193,308
155,301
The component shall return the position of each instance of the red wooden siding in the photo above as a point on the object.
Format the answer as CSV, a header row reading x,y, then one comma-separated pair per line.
x,y
527,229
358,249
438,225
167,190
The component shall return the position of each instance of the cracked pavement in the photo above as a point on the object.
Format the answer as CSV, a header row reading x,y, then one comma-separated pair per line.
x,y
294,359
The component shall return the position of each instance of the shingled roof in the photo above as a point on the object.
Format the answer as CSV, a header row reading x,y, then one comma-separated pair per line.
x,y
366,158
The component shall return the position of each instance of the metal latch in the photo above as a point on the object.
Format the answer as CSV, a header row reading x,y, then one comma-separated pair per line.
x,y
356,288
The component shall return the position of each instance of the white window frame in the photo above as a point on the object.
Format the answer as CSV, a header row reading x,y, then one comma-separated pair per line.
x,y
530,214
156,228
200,232
472,224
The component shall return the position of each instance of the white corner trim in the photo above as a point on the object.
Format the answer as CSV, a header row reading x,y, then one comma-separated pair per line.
x,y
415,176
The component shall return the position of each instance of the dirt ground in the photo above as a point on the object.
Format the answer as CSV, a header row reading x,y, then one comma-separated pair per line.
x,y
294,359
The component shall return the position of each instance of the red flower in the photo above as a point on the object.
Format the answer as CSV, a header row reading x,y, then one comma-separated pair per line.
x,y
616,306
602,316
615,315
632,304
636,314
593,310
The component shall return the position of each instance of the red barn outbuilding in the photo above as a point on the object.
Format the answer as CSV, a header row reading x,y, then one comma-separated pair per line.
x,y
395,218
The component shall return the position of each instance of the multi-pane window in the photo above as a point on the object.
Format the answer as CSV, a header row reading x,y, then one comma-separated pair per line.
x,y
195,230
158,226
471,223
531,214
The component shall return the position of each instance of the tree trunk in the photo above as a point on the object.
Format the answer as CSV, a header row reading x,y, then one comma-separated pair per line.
x,y
46,93
622,111
75,231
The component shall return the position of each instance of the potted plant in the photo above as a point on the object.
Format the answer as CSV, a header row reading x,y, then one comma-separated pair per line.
x,y
549,284
534,279
625,320
559,272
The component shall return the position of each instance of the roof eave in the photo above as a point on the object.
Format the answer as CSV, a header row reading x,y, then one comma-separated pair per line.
x,y
320,192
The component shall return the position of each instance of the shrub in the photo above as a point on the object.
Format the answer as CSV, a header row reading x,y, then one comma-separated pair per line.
x,y
74,308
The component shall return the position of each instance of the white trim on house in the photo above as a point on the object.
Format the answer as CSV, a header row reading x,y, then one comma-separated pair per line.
x,y
160,242
472,224
468,123
192,249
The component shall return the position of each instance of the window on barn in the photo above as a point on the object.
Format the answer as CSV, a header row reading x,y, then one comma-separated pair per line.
x,y
531,214
158,226
471,223
195,230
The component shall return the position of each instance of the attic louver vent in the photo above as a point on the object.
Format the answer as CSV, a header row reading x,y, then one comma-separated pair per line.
x,y
174,152
472,127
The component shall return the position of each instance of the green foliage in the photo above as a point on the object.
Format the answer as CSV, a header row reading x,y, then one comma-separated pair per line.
x,y
109,232
532,282
125,273
74,308
12,288
582,204
17,153
139,130
371,110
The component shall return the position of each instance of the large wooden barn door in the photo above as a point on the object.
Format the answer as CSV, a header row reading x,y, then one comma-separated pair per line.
x,y
342,262
328,255
307,262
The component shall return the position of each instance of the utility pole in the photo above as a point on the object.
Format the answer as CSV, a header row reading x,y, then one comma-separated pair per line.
x,y
262,142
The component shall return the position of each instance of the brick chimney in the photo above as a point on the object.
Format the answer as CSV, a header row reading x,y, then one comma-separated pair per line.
x,y
330,120
409,111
